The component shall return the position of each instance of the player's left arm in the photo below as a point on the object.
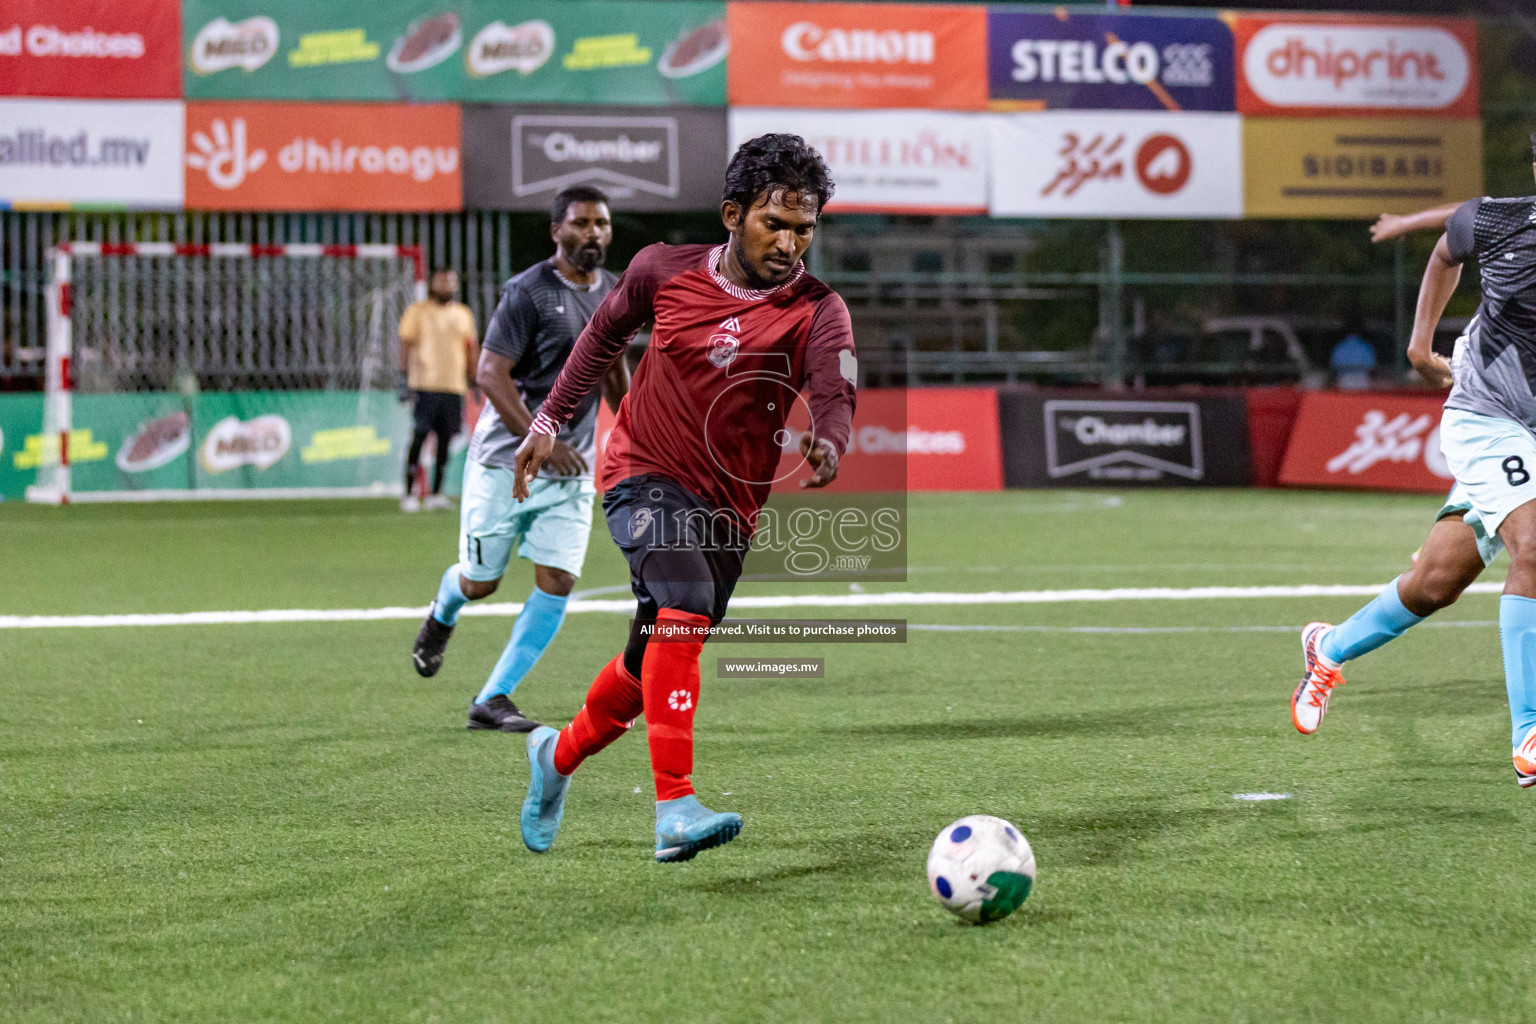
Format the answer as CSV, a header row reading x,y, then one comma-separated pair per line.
x,y
471,348
831,374
1392,225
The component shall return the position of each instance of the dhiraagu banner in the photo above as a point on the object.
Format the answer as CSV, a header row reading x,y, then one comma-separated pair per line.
x,y
633,52
144,446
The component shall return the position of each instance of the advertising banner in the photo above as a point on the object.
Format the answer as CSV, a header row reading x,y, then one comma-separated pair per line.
x,y
85,153
517,158
1334,167
909,161
146,444
1046,59
322,156
857,55
1374,442
1060,164
98,49
1290,64
1067,439
633,52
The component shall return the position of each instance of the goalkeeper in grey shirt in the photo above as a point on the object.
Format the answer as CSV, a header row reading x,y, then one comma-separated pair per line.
x,y
542,312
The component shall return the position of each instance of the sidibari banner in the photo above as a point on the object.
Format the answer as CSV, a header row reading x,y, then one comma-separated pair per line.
x,y
1349,167
146,444
1343,64
322,156
1375,442
888,161
91,48
631,52
91,153
857,55
518,157
1059,164
1049,59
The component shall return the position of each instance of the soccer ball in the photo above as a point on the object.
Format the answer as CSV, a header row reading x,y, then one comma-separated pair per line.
x,y
981,868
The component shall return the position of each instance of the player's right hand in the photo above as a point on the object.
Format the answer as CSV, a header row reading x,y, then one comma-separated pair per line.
x,y
1387,226
530,458
566,461
1433,367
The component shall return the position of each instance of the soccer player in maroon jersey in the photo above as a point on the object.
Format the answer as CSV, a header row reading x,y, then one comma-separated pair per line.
x,y
739,330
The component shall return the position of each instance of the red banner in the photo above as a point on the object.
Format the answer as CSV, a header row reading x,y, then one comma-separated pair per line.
x,y
323,156
91,48
857,55
1334,65
1373,442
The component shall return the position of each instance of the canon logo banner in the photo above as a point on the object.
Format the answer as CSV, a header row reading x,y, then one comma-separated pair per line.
x,y
1296,66
805,40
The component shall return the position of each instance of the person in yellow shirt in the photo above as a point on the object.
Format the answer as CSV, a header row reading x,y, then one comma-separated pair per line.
x,y
437,352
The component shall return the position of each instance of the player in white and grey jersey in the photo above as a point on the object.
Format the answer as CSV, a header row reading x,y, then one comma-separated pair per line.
x,y
541,313
1486,435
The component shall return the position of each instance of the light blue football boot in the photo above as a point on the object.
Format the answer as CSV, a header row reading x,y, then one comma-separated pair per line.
x,y
545,804
684,827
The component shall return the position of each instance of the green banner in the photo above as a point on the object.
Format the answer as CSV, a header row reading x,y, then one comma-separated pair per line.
x,y
636,52
147,444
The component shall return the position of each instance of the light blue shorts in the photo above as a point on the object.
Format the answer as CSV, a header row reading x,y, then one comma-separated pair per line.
x,y
550,528
1494,462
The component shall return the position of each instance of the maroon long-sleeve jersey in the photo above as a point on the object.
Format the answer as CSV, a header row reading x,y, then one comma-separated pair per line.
x,y
710,400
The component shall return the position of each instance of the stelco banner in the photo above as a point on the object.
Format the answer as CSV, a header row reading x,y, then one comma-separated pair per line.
x,y
630,52
1342,64
322,156
1108,61
1059,164
1327,167
910,161
91,48
517,158
857,55
109,153
1067,439
149,444
1377,442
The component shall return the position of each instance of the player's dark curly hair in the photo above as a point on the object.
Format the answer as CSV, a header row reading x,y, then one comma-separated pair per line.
x,y
574,194
771,165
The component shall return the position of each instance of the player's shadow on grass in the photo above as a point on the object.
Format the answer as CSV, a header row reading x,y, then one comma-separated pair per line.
x,y
1432,697
865,857
1108,836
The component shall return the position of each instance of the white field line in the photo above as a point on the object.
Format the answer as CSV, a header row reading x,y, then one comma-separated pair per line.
x,y
738,604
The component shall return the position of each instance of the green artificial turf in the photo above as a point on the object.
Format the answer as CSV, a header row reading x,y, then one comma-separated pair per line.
x,y
284,823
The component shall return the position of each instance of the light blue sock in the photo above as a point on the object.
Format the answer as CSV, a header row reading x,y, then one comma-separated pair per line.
x,y
1517,633
533,632
449,598
1383,619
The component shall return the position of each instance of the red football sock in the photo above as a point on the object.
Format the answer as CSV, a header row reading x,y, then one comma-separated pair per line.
x,y
613,704
669,678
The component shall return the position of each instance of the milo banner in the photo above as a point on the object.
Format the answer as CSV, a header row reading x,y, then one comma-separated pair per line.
x,y
633,52
158,445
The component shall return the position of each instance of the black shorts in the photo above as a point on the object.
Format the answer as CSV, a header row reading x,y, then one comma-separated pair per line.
x,y
438,412
683,552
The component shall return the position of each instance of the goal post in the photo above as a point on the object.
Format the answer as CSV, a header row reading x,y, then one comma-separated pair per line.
x,y
180,324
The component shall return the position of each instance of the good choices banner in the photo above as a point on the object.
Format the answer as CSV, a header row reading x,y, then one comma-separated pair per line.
x,y
1327,167
322,156
633,52
912,161
107,153
517,158
1058,164
226,442
1108,61
1341,64
1376,442
857,55
91,48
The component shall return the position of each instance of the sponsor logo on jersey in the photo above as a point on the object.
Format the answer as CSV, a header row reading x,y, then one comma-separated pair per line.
x,y
808,41
498,47
233,443
222,44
